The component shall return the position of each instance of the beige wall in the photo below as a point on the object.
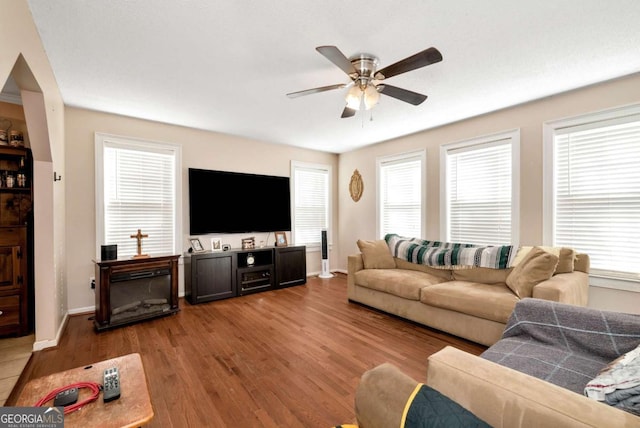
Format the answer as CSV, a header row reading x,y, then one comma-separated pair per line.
x,y
22,56
200,149
357,220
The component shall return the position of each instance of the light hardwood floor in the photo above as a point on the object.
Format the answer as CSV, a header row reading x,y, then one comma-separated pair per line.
x,y
283,358
14,355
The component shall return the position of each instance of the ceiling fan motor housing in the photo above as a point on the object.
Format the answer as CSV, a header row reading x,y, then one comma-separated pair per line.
x,y
366,65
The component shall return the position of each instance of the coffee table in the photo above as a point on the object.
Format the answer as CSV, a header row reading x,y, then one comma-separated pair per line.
x,y
132,409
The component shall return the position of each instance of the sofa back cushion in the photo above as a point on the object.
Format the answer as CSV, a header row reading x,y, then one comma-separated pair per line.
x,y
435,271
566,257
482,275
376,254
537,266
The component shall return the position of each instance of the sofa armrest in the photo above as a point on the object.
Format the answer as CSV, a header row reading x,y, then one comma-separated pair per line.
x,y
571,288
382,395
504,397
354,263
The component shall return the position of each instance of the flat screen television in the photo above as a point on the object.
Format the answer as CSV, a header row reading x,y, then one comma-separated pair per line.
x,y
232,202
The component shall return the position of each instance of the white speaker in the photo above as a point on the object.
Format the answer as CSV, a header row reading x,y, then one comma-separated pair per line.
x,y
325,257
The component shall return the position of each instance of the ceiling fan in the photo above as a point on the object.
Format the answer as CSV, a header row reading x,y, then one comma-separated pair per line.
x,y
367,83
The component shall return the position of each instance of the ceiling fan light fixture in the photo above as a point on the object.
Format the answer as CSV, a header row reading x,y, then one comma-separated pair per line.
x,y
371,96
354,97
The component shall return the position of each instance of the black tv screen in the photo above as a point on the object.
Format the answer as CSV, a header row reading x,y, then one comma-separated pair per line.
x,y
231,202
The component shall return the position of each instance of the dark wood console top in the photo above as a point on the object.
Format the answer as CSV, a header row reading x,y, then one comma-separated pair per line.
x,y
127,261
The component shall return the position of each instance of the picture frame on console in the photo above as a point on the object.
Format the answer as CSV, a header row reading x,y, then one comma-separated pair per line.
x,y
249,243
281,239
196,245
216,244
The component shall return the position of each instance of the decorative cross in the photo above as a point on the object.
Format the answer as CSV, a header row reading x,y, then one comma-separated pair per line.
x,y
139,237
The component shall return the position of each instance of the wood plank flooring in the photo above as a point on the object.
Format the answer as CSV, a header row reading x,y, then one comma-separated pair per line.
x,y
283,358
14,355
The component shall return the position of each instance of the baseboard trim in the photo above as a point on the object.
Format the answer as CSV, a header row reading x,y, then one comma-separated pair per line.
x,y
43,344
79,311
317,273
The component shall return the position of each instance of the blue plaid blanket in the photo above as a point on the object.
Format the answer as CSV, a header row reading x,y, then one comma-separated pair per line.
x,y
437,253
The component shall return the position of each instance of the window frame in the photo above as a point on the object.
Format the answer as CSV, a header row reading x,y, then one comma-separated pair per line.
x,y
420,155
104,139
513,135
328,170
549,129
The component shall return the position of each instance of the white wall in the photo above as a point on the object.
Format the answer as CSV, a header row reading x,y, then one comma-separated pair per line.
x,y
357,220
20,47
200,149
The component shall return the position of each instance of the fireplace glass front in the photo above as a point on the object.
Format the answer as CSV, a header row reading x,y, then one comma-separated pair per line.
x,y
137,295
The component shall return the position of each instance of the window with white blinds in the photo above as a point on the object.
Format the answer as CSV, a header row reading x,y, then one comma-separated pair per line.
x,y
137,187
311,194
596,191
401,194
480,205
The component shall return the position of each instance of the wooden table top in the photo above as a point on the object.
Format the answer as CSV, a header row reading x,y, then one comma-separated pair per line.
x,y
132,409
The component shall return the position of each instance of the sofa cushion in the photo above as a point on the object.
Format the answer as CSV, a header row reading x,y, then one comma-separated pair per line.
x,y
432,270
482,275
537,266
494,302
399,282
376,254
566,257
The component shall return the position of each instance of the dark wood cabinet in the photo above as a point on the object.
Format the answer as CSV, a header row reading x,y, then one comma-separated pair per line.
x,y
16,236
291,266
133,290
220,275
209,276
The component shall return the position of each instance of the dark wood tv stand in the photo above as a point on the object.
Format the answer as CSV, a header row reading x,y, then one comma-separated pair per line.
x,y
215,275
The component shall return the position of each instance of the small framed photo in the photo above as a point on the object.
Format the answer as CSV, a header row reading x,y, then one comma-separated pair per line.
x,y
249,243
281,239
196,245
216,244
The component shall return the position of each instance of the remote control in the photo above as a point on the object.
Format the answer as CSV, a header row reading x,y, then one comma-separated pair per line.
x,y
66,397
111,385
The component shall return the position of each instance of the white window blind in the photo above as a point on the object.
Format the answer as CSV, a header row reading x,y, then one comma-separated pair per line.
x,y
400,195
597,193
138,189
479,191
311,202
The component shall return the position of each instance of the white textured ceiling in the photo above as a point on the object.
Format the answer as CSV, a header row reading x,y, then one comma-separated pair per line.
x,y
226,66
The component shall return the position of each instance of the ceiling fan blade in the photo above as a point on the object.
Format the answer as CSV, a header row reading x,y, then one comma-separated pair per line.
x,y
348,112
334,55
421,59
402,94
315,90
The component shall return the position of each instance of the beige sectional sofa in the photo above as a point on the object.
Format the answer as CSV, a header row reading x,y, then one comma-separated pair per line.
x,y
473,303
536,375
500,396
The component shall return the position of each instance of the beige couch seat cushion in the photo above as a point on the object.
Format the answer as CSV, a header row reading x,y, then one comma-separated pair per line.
x,y
399,282
493,302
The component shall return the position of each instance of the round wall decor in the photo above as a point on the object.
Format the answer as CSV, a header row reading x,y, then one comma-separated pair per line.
x,y
356,186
